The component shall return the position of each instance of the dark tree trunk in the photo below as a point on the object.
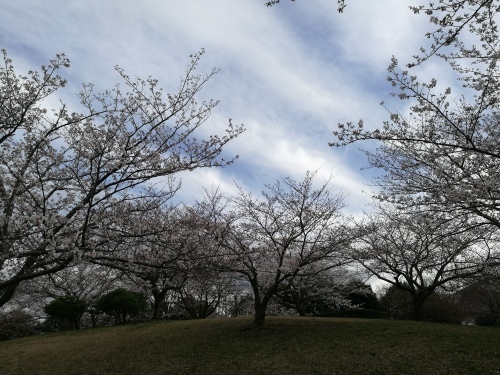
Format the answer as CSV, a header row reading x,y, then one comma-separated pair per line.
x,y
418,302
417,309
261,302
299,303
260,316
260,310
301,310
158,304
93,318
75,323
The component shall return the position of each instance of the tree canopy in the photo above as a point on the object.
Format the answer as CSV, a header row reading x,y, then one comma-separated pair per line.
x,y
61,172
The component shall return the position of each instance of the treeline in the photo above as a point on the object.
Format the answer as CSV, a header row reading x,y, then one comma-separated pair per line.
x,y
89,295
289,250
68,301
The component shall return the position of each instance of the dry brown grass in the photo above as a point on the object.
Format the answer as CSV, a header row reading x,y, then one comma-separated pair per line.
x,y
284,346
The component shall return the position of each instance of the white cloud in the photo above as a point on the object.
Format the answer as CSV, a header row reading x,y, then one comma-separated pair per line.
x,y
290,73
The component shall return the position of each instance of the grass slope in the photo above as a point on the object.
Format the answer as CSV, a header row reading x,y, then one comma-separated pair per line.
x,y
285,346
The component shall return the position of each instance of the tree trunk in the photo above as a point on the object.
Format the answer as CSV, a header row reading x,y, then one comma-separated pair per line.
x,y
417,309
260,310
301,310
418,302
261,303
75,323
260,315
93,318
158,304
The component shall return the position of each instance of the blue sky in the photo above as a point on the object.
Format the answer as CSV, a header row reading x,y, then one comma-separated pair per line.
x,y
289,73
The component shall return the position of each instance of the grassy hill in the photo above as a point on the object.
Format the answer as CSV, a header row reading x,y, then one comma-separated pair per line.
x,y
286,346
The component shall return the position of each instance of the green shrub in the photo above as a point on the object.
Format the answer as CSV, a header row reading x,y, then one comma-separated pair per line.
x,y
122,304
67,309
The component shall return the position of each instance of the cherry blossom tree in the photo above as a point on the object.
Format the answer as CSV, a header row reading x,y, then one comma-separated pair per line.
x,y
60,172
463,29
84,280
318,293
155,244
271,240
480,300
418,250
444,152
203,292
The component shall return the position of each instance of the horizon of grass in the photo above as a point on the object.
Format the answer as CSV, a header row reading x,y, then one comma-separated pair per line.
x,y
286,345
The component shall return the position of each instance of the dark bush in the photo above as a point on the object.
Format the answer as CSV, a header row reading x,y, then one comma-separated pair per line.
x,y
54,325
486,319
365,300
122,304
67,309
16,324
440,308
355,313
396,303
362,313
437,308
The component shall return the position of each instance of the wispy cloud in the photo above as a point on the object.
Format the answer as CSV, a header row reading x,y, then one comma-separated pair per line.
x,y
289,73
